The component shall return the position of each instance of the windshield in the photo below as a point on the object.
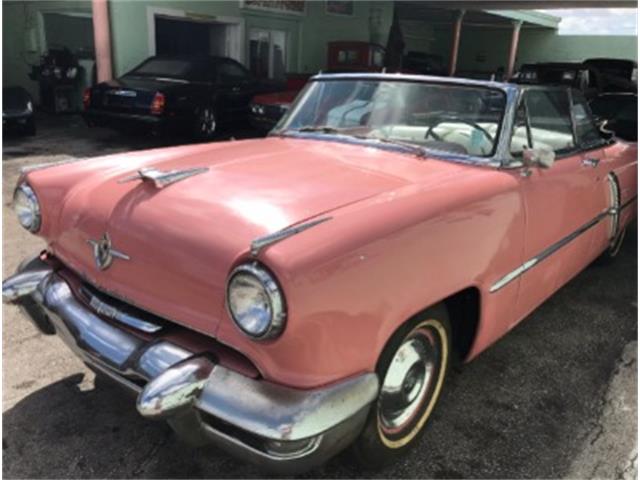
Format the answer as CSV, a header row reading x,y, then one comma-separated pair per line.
x,y
170,68
456,119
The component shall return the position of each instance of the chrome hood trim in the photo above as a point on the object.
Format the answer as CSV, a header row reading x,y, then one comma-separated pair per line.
x,y
259,243
160,178
42,166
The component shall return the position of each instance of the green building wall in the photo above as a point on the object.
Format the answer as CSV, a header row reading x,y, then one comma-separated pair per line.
x,y
481,49
307,33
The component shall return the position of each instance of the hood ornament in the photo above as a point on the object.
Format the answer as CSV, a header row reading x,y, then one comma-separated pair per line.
x,y
160,178
103,254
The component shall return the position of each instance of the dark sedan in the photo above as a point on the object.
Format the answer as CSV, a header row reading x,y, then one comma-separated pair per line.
x,y
17,110
195,95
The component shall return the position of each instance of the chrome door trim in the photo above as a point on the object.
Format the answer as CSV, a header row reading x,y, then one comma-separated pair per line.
x,y
546,253
614,202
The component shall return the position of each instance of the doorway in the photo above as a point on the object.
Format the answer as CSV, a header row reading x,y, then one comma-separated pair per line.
x,y
174,32
268,53
185,37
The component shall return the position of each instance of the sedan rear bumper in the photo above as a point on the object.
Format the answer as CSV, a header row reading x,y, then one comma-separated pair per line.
x,y
129,120
282,429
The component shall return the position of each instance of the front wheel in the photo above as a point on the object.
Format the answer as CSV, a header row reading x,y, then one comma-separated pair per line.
x,y
205,124
412,370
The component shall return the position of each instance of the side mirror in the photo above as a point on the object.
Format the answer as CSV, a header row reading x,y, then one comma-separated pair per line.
x,y
605,131
542,157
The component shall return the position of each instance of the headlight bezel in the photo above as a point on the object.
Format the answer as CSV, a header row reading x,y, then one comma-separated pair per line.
x,y
32,198
274,294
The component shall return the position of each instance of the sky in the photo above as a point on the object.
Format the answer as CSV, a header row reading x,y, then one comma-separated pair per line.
x,y
597,21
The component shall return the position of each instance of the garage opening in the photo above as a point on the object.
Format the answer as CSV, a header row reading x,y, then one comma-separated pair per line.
x,y
179,36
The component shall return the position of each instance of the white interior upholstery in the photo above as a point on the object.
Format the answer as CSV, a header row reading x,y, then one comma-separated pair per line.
x,y
541,139
473,140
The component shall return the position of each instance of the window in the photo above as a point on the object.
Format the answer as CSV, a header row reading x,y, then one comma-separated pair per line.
x,y
378,57
348,57
456,119
586,130
550,120
267,53
171,68
520,137
231,72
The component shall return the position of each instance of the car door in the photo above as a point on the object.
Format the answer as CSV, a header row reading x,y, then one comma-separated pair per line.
x,y
615,169
235,89
559,202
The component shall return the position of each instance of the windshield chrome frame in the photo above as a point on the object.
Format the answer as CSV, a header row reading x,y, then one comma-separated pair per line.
x,y
501,156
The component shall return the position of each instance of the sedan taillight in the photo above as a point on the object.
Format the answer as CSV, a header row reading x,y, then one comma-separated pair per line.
x,y
86,98
158,103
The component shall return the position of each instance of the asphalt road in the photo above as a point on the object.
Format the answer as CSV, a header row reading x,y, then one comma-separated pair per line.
x,y
538,404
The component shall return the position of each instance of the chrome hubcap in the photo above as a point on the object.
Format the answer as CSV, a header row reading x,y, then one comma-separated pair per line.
x,y
406,383
207,121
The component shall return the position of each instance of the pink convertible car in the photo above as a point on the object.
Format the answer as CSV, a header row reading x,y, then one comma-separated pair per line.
x,y
288,297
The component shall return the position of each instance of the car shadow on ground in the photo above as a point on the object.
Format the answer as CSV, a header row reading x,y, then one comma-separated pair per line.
x,y
523,409
69,136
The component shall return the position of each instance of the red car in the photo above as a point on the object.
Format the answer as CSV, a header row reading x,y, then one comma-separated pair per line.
x,y
288,297
343,56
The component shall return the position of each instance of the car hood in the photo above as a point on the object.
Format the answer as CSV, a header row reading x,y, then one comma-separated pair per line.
x,y
183,240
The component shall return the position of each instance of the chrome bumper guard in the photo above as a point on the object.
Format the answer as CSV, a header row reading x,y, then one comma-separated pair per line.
x,y
282,429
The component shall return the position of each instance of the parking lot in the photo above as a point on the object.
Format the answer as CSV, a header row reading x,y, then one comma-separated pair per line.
x,y
555,398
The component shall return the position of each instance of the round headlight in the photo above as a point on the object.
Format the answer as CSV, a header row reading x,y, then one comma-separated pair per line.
x,y
27,208
255,302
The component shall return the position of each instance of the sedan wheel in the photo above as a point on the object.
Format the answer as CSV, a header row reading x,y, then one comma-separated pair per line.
x,y
412,370
205,127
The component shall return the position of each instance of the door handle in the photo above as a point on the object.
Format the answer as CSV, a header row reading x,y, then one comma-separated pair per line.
x,y
590,162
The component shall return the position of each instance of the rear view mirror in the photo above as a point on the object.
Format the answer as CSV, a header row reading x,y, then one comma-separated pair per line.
x,y
539,157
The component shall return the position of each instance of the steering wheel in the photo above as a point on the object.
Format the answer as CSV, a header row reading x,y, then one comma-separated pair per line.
x,y
443,119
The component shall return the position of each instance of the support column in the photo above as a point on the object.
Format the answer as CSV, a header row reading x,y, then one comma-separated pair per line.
x,y
455,42
513,50
102,39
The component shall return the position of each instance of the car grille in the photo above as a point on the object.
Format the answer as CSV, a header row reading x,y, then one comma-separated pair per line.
x,y
120,311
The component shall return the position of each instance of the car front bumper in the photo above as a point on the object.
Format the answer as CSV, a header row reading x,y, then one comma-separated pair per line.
x,y
16,117
279,428
263,123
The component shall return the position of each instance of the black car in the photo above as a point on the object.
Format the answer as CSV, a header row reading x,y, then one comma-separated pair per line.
x,y
618,75
620,110
423,64
17,110
168,94
582,77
